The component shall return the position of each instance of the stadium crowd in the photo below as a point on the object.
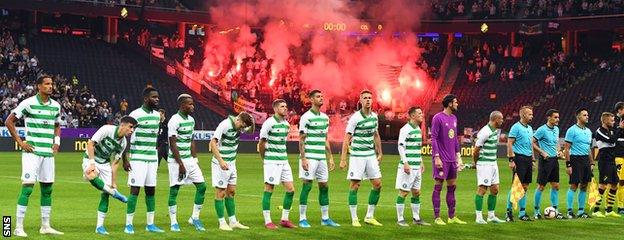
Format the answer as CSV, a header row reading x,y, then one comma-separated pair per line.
x,y
523,9
172,4
488,60
19,68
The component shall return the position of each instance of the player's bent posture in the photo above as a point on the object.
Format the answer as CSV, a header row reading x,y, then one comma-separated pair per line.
x,y
604,140
183,163
142,165
272,148
224,145
315,156
99,170
446,158
484,158
410,169
579,162
41,118
546,143
520,152
363,143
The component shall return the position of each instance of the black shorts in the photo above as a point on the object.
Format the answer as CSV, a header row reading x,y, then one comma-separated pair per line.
x,y
524,168
607,171
548,171
163,152
581,170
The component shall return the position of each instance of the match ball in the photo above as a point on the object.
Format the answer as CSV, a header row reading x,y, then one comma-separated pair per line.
x,y
550,213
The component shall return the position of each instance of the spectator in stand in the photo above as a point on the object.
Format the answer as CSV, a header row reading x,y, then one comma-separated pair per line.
x,y
511,74
492,69
550,82
75,81
604,66
460,53
460,8
123,107
598,98
113,103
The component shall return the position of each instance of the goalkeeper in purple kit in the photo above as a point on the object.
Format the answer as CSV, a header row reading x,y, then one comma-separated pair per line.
x,y
446,158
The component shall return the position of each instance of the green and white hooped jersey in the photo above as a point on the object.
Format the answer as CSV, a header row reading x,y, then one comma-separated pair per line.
x,y
227,137
363,129
143,142
315,125
107,144
275,132
487,139
410,136
181,126
39,120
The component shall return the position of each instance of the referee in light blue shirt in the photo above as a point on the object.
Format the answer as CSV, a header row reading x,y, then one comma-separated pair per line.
x,y
546,143
520,153
579,162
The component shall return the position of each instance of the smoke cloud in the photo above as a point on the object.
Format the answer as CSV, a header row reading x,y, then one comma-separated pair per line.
x,y
339,63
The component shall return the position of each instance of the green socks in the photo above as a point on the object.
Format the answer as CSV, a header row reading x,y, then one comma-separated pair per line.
x,y
478,202
324,196
305,191
400,200
230,206
150,203
103,207
352,197
46,194
416,200
266,200
288,200
373,198
24,195
199,193
132,202
97,183
219,206
491,202
173,195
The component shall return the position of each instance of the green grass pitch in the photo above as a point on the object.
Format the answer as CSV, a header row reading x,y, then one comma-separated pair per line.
x,y
75,203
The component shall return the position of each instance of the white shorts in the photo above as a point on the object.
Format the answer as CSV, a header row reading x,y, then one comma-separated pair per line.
x,y
316,170
193,173
406,182
222,178
277,172
142,174
104,171
487,175
361,168
37,168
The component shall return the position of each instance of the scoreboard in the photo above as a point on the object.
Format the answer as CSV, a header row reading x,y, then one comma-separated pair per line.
x,y
361,27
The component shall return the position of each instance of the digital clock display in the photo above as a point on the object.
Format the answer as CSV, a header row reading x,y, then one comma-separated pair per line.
x,y
331,26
